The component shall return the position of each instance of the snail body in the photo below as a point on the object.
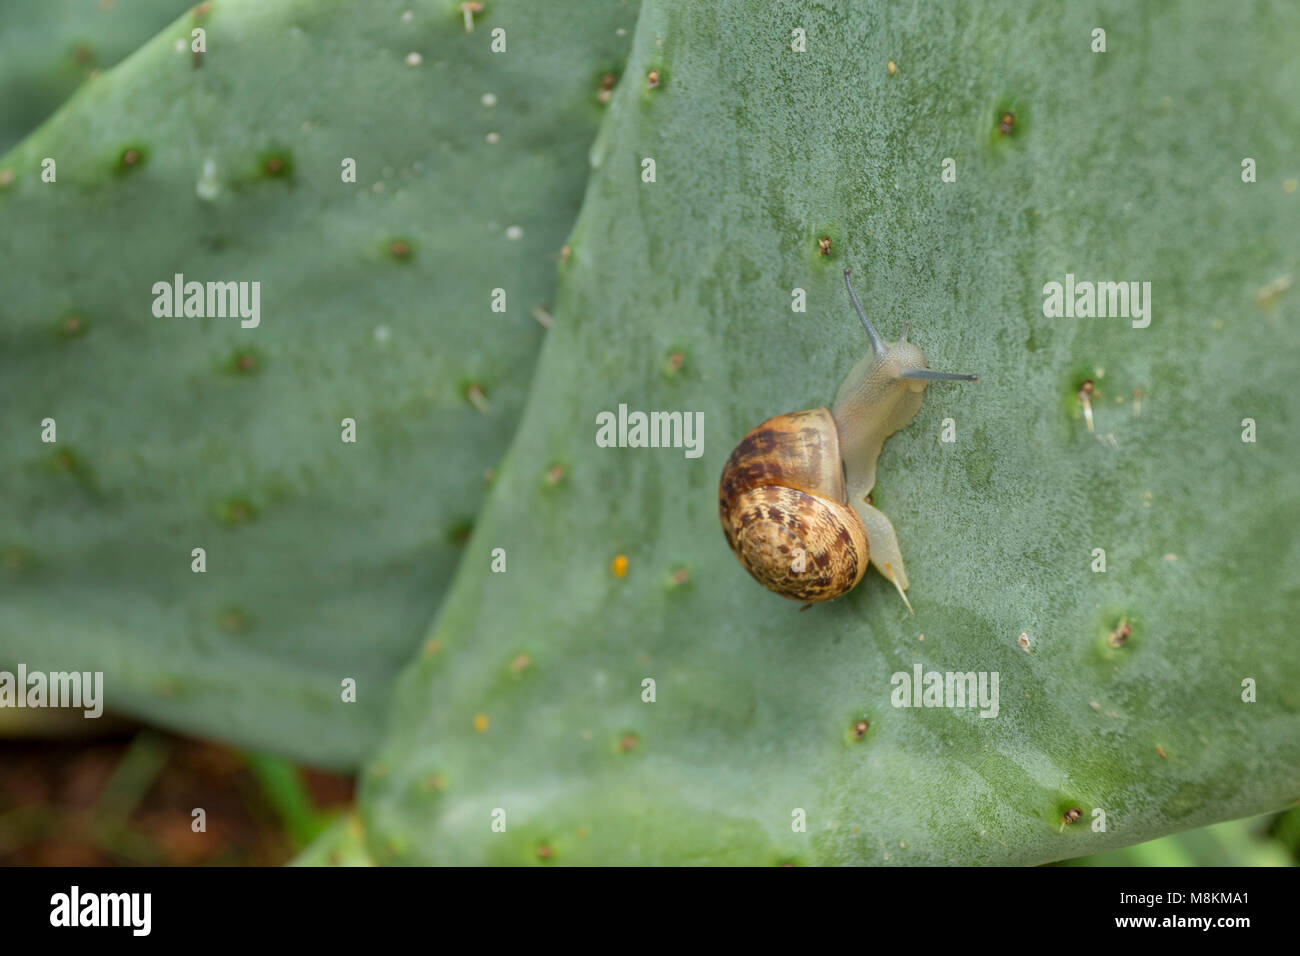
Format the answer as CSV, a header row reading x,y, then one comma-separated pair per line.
x,y
792,497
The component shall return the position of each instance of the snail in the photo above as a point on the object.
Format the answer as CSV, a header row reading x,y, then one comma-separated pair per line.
x,y
793,494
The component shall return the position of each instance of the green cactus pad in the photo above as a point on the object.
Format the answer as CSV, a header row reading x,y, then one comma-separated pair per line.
x,y
1123,165
341,844
325,560
50,47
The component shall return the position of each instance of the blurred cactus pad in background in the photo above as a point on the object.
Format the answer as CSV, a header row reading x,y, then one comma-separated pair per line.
x,y
560,208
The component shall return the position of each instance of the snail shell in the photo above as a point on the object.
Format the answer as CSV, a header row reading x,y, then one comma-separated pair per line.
x,y
784,509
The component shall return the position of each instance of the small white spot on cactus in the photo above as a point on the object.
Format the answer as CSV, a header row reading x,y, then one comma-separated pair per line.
x,y
181,46
489,99
414,59
407,16
208,187
493,138
621,32
514,232
382,334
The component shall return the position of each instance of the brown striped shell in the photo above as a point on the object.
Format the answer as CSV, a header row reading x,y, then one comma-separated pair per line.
x,y
782,493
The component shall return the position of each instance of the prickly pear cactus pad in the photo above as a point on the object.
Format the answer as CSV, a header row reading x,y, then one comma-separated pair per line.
x,y
1104,522
327,450
48,48
342,844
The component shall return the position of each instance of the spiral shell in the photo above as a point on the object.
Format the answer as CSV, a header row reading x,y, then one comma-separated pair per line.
x,y
782,493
